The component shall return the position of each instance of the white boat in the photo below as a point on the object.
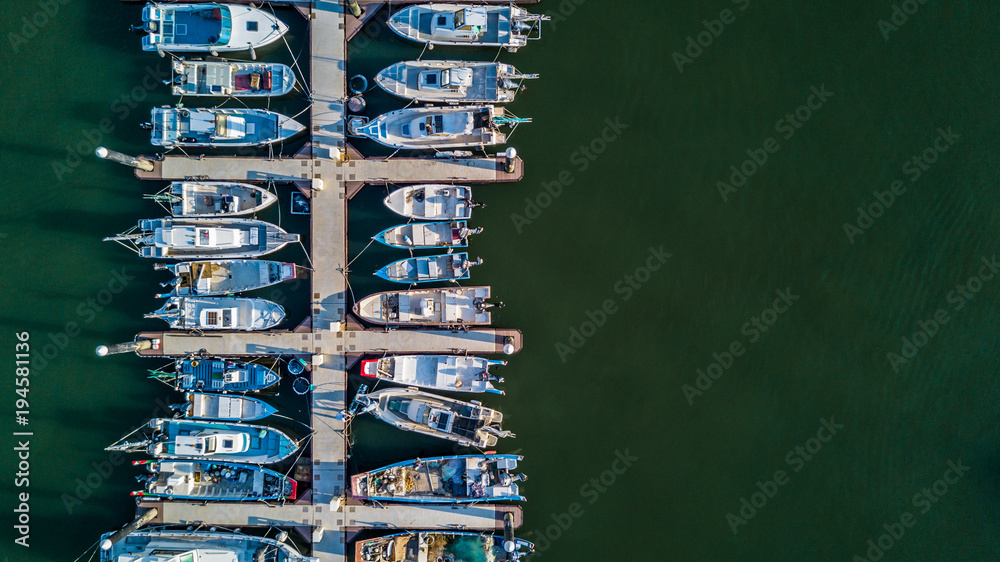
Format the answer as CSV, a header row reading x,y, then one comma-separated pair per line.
x,y
466,423
418,128
231,78
212,278
452,306
446,81
432,202
450,373
220,313
424,235
160,545
460,24
442,546
446,267
208,26
227,407
191,239
213,199
219,128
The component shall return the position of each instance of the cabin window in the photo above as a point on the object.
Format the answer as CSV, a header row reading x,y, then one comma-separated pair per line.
x,y
443,421
405,129
251,26
459,18
227,443
397,405
442,21
210,445
439,124
212,318
431,79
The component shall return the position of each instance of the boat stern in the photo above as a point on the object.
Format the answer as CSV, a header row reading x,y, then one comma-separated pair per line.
x,y
369,368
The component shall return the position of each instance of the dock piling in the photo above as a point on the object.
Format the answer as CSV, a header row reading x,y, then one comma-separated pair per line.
x,y
140,163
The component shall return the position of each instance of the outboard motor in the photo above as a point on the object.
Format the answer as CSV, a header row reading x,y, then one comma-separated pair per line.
x,y
146,126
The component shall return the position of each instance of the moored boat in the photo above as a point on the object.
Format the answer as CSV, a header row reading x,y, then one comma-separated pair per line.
x,y
213,481
422,235
192,239
460,24
446,267
218,375
223,277
161,545
213,199
450,373
220,313
231,78
466,423
197,439
425,546
451,306
213,27
432,202
451,479
226,407
445,81
417,128
219,128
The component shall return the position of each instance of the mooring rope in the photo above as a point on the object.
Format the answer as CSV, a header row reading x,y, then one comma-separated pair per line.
x,y
370,242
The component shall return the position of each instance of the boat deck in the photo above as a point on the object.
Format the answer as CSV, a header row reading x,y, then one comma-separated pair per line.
x,y
333,340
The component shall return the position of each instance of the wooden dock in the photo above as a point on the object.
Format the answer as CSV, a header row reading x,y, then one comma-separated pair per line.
x,y
332,339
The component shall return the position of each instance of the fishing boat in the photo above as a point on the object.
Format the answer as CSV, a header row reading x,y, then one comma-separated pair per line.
x,y
448,81
213,481
417,128
213,199
212,278
219,128
192,239
218,375
220,313
460,24
208,27
446,267
226,407
422,235
241,79
161,545
432,202
450,373
454,546
452,479
451,306
466,423
226,442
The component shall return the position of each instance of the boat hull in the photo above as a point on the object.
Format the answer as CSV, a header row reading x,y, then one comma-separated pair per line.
x,y
215,375
426,546
220,128
440,480
447,373
425,81
220,313
218,199
434,202
472,419
214,481
207,239
224,407
147,544
231,79
446,267
422,236
185,439
222,277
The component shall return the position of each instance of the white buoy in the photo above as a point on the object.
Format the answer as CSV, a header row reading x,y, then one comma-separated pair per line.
x,y
508,348
107,544
509,546
102,350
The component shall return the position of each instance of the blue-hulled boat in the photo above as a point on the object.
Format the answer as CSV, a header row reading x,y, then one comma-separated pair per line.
x,y
422,235
446,267
219,375
217,441
451,479
213,481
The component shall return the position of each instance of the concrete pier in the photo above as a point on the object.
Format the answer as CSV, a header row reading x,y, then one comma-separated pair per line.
x,y
333,171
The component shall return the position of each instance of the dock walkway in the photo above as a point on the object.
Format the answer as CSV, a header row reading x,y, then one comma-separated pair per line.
x,y
333,341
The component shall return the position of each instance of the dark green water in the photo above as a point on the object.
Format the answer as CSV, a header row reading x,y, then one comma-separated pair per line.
x,y
621,389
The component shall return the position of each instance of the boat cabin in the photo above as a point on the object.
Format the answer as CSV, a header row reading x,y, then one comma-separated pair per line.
x,y
447,79
218,318
468,23
215,444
